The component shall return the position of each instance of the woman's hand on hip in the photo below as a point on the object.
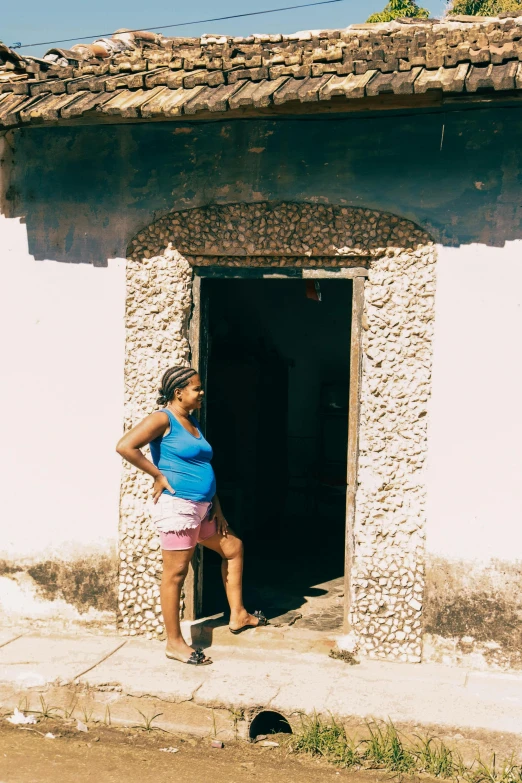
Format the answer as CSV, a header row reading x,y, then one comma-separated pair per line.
x,y
161,483
221,524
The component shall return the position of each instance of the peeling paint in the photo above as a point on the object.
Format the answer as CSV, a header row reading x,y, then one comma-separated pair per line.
x,y
473,613
85,583
8,569
60,594
386,163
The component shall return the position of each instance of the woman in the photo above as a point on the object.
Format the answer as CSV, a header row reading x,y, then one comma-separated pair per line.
x,y
187,510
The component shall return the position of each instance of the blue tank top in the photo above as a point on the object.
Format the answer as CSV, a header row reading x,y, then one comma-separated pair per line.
x,y
184,460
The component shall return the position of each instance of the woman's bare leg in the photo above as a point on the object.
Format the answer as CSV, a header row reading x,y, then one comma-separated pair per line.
x,y
175,568
230,547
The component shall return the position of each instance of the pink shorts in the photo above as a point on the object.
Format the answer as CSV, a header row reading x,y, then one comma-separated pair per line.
x,y
187,539
185,523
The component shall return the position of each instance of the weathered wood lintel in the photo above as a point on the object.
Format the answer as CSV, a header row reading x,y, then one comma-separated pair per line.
x,y
354,406
193,587
243,258
281,273
342,272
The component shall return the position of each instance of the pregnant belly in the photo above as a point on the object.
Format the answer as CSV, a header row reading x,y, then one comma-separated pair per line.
x,y
193,484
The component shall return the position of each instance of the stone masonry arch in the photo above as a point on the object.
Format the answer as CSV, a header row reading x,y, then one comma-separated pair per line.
x,y
388,537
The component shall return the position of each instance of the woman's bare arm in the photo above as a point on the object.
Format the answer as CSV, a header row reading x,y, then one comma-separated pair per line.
x,y
129,447
221,522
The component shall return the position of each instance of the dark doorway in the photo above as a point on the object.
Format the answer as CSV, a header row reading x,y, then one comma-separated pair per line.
x,y
277,417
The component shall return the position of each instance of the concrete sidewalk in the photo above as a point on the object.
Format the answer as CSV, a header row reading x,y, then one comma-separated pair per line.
x,y
114,678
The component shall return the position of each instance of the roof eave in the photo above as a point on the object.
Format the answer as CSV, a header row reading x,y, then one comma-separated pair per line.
x,y
336,107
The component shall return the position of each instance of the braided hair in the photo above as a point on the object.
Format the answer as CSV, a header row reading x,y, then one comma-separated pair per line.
x,y
174,378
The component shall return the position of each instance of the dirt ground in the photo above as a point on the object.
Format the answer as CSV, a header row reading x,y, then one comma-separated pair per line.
x,y
114,755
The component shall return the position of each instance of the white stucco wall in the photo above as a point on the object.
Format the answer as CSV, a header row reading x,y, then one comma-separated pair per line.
x,y
61,397
475,426
62,348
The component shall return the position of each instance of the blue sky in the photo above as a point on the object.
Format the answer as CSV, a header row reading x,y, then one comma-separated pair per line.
x,y
35,21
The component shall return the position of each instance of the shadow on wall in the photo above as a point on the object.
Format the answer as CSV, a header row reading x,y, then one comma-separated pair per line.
x,y
82,591
473,613
84,191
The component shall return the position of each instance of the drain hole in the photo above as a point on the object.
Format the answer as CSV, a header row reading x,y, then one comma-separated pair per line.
x,y
269,722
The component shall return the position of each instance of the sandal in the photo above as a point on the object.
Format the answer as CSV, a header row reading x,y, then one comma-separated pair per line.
x,y
197,658
262,621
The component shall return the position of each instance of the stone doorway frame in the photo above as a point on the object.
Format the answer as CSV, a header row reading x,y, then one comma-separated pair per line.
x,y
387,569
197,335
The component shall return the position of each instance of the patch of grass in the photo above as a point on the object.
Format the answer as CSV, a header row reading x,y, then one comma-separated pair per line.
x,y
45,711
86,714
147,722
237,715
481,772
69,711
386,749
326,739
435,758
23,704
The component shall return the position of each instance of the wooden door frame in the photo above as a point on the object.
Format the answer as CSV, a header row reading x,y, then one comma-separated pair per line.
x,y
194,582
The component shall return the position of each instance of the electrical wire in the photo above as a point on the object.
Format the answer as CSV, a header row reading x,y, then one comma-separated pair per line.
x,y
182,24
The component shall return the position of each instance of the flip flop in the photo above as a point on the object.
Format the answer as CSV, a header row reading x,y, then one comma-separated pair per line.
x,y
262,621
197,658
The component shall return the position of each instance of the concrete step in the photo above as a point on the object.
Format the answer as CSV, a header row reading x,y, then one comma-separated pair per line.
x,y
214,631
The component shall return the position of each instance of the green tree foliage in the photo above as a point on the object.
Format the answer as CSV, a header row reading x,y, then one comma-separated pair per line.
x,y
401,9
484,7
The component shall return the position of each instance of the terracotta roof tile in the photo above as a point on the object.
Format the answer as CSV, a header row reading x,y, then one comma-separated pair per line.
x,y
145,75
